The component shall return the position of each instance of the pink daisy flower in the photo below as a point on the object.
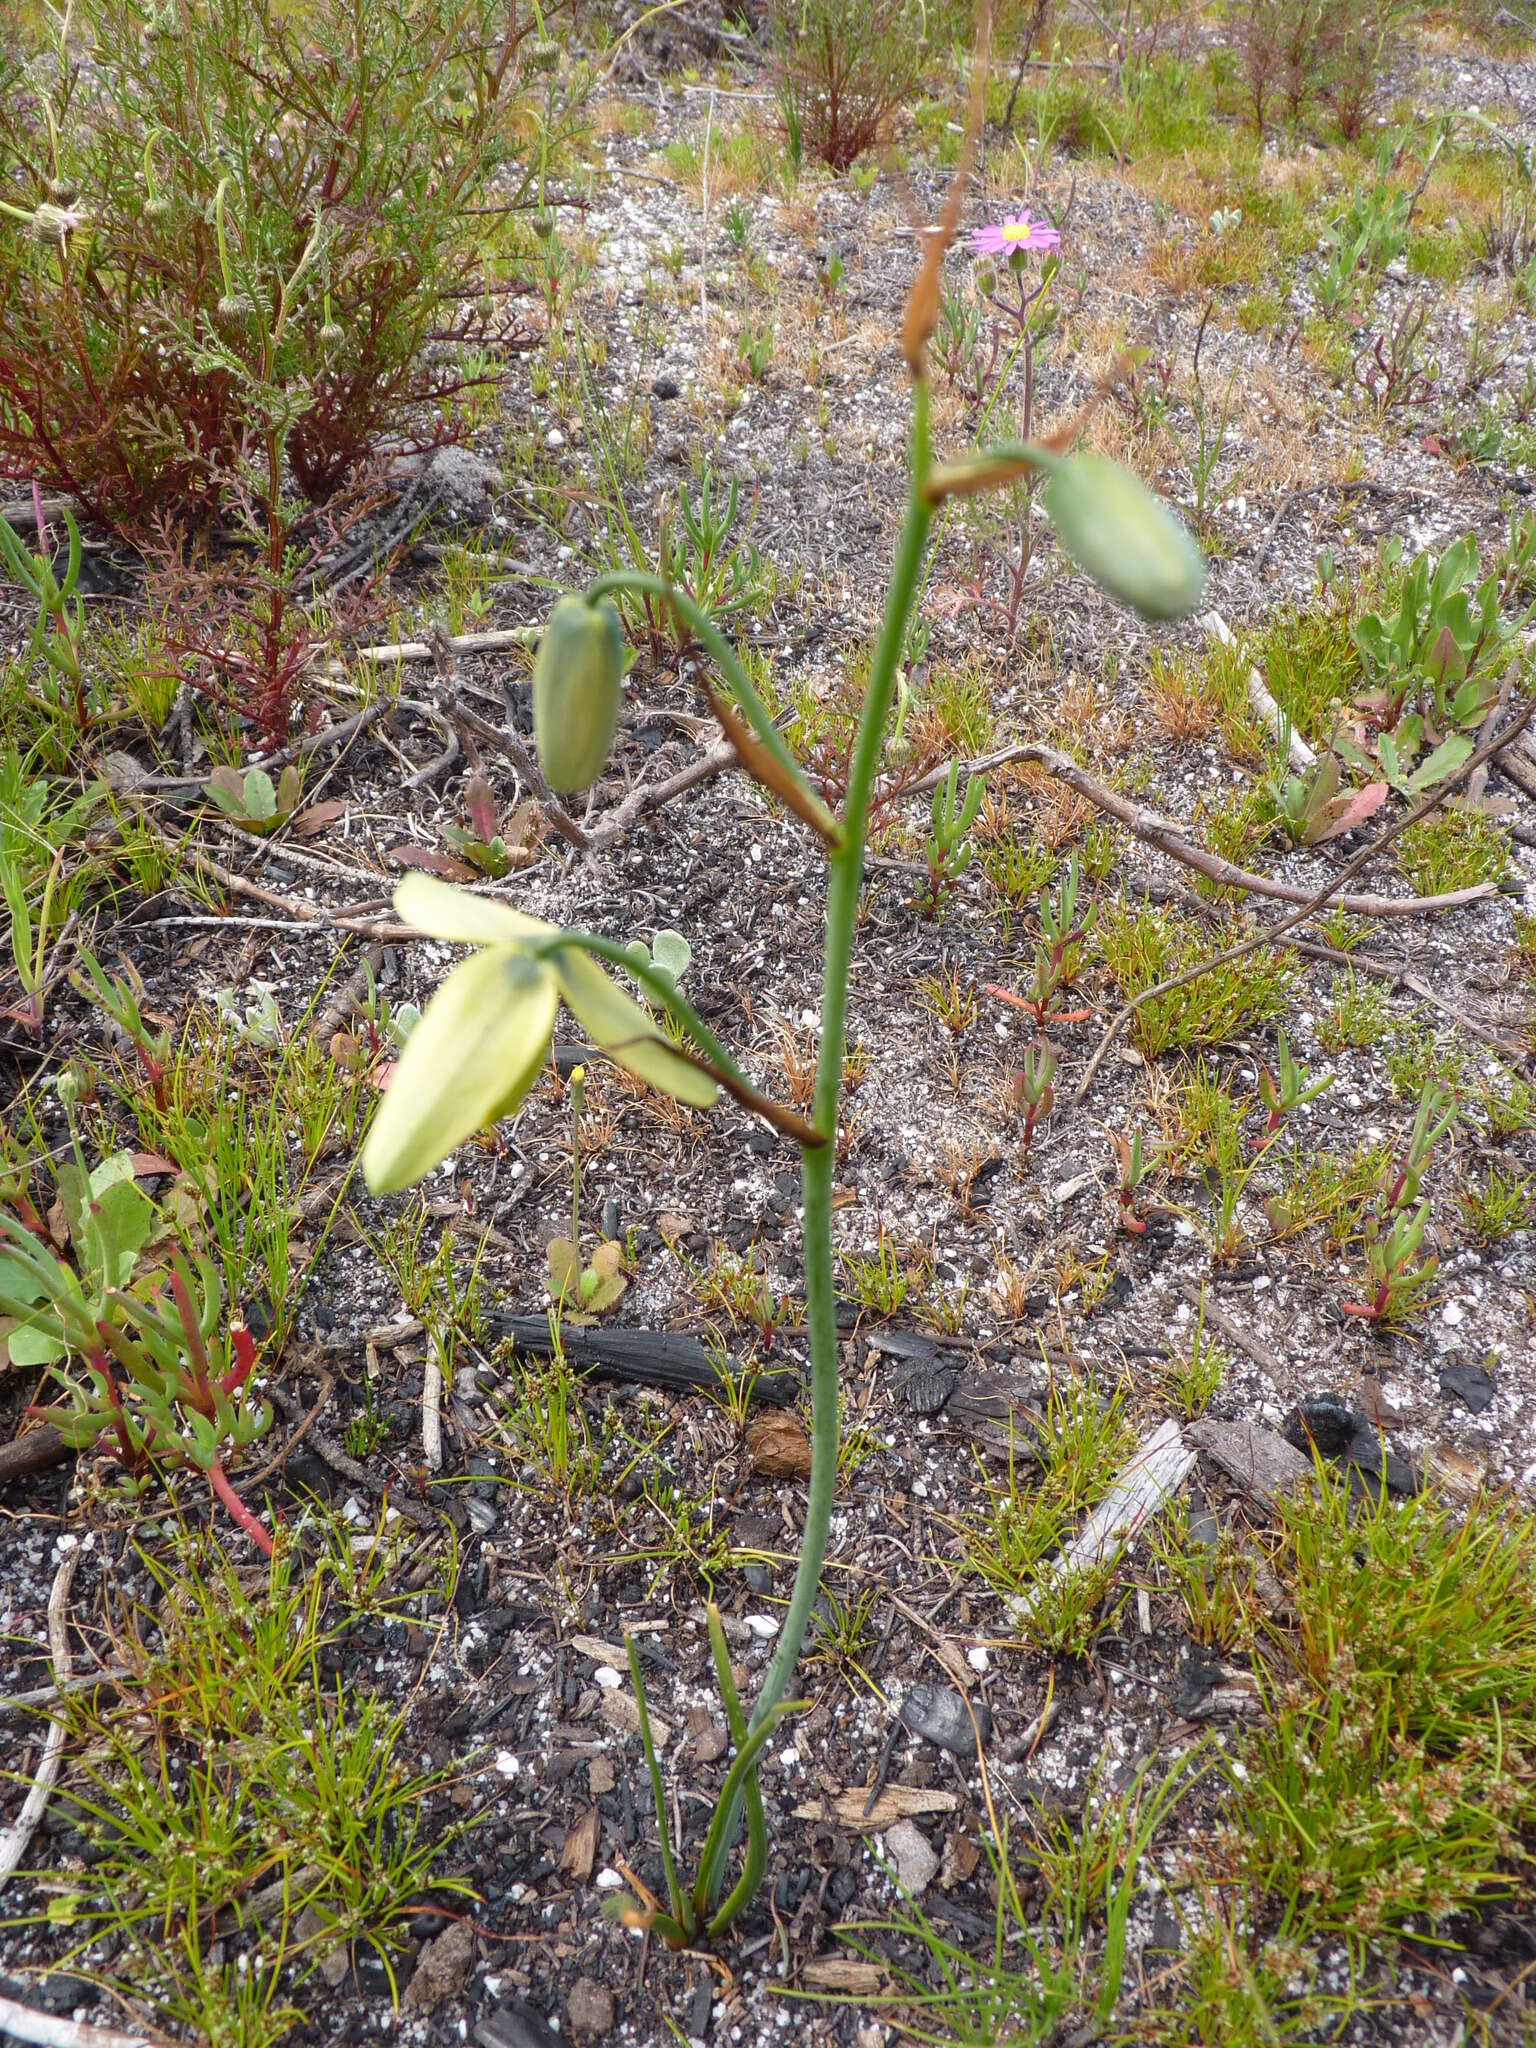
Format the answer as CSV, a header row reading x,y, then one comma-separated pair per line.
x,y
1015,231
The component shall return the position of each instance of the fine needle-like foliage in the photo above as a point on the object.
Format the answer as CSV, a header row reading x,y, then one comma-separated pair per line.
x,y
484,1037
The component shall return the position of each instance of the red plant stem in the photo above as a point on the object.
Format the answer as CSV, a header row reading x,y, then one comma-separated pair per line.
x,y
119,1422
237,1510
242,1347
196,1350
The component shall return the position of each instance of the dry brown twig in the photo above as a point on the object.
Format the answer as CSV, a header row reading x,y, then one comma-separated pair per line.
x,y
1166,834
13,1843
1324,896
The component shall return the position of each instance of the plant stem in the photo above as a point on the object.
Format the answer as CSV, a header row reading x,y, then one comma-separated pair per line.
x,y
845,880
237,1510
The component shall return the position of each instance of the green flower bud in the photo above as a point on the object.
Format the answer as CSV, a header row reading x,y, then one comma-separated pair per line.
x,y
544,54
544,224
63,191
158,208
578,683
1125,538
234,312
332,335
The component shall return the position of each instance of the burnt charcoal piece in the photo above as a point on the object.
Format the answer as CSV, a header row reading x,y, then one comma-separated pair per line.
x,y
924,1386
656,1358
1470,1385
940,1716
516,2025
927,1371
1327,1421
1341,1433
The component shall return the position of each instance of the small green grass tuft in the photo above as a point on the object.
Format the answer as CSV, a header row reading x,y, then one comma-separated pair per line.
x,y
228,1764
1357,1015
1309,661
1500,1207
1453,849
1398,1771
1079,1446
1143,947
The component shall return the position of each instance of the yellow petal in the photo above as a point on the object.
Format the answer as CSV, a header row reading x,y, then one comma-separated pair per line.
x,y
618,1026
471,1060
449,913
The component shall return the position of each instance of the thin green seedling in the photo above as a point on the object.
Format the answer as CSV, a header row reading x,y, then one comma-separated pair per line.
x,y
948,849
29,941
59,633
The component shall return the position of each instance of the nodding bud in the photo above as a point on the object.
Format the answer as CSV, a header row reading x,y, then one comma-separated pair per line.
x,y
544,54
543,223
332,335
50,224
235,312
63,191
578,684
158,207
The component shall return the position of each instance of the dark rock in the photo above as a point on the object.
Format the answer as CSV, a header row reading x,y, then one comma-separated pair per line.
x,y
665,387
60,1992
1341,1433
1470,1385
611,1217
699,2010
515,2025
1325,1420
940,1716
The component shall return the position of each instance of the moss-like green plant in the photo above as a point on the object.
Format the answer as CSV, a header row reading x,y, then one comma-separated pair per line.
x,y
483,1039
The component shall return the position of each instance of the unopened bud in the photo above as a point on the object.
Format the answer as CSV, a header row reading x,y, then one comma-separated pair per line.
x,y
50,224
543,223
235,312
544,54
332,335
63,191
578,685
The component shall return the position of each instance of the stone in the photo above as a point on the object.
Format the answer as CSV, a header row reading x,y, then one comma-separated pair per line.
x,y
464,481
589,2008
516,2025
1471,1385
442,1969
912,1853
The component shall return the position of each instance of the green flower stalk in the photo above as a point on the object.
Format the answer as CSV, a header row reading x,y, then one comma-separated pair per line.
x,y
483,1038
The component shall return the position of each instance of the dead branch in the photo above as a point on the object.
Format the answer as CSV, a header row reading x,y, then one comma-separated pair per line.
x,y
1326,895
13,1843
1167,836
